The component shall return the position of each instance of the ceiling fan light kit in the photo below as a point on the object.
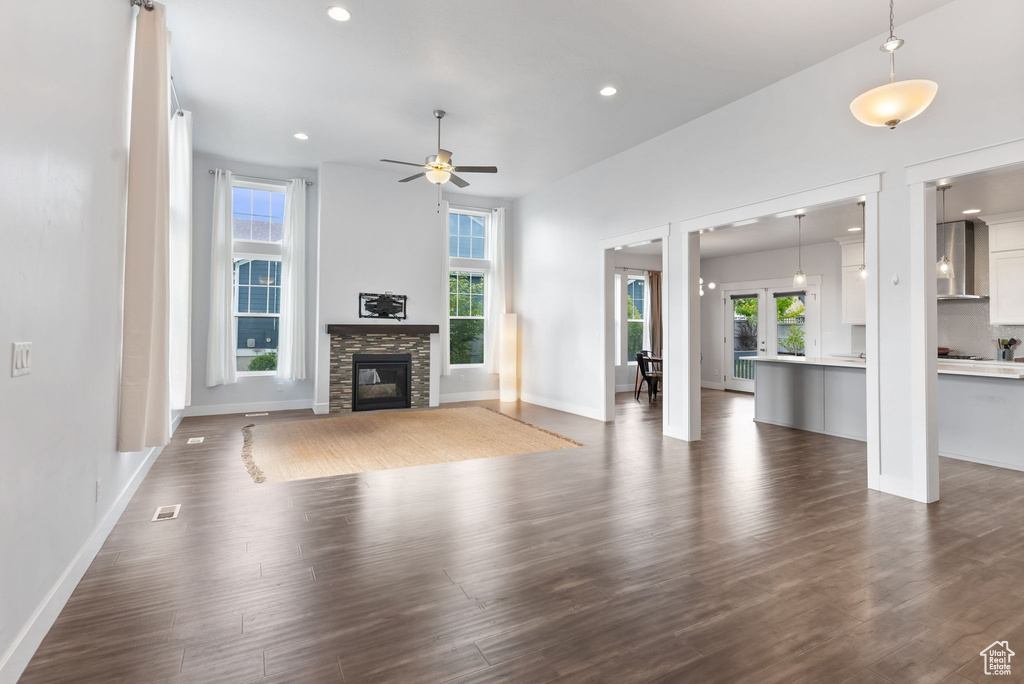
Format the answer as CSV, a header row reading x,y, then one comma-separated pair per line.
x,y
438,168
896,101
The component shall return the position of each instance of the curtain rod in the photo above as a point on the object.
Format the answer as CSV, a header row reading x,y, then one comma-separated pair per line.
x,y
177,102
273,180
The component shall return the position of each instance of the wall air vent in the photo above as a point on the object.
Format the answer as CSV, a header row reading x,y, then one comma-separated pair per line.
x,y
250,415
166,513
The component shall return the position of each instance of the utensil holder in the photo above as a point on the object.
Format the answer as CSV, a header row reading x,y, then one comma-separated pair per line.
x,y
1004,355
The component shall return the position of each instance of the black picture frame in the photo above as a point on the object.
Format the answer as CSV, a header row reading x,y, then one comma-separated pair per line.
x,y
386,305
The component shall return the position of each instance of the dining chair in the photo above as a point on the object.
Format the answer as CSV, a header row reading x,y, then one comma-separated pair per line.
x,y
650,372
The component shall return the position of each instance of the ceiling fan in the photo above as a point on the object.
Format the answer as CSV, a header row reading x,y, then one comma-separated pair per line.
x,y
438,167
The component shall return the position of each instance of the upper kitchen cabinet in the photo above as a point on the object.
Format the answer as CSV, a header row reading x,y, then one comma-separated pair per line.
x,y
1006,268
854,293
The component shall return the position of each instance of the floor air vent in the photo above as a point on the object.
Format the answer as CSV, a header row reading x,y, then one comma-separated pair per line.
x,y
196,440
166,513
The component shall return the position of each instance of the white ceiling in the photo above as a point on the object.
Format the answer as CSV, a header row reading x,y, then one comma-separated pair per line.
x,y
519,78
822,224
1000,191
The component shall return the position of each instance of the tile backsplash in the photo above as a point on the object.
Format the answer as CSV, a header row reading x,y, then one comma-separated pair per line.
x,y
964,323
964,328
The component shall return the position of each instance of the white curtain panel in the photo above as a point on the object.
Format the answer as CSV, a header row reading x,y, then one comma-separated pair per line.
x,y
445,365
181,259
495,300
220,343
291,353
144,418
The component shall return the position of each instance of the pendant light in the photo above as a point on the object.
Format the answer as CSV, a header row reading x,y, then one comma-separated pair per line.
x,y
896,101
863,270
799,279
944,267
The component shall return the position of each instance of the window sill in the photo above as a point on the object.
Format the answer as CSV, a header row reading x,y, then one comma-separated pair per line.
x,y
254,374
464,366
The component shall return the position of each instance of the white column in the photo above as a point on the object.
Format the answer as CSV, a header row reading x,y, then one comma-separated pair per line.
x,y
681,417
921,352
871,342
610,336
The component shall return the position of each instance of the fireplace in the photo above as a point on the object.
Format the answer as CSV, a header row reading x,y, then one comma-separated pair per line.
x,y
381,381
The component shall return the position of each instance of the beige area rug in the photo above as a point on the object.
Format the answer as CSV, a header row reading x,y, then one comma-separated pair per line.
x,y
302,449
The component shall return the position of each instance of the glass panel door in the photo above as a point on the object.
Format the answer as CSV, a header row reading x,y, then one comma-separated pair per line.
x,y
744,333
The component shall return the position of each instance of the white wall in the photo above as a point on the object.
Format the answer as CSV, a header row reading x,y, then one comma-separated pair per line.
x,y
63,160
378,235
794,135
822,259
250,393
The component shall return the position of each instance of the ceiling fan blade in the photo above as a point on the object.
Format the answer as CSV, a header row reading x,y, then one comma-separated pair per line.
x,y
418,175
458,181
476,169
444,156
392,161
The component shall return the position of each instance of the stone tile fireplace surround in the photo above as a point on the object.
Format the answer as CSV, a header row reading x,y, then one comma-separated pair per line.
x,y
350,339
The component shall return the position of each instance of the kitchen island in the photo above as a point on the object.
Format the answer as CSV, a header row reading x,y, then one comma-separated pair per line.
x,y
980,403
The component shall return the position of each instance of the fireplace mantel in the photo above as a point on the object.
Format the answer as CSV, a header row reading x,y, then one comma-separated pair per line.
x,y
394,328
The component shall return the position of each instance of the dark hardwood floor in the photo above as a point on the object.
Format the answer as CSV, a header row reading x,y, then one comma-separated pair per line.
x,y
754,555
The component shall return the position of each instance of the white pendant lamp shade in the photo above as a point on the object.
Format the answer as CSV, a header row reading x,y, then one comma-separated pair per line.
x,y
438,176
944,267
799,279
894,103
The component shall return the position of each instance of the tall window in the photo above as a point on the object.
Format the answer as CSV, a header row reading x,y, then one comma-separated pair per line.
x,y
636,302
257,220
469,269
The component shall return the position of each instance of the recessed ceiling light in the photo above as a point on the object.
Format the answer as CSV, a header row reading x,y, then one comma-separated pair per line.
x,y
972,211
301,136
608,91
339,13
853,230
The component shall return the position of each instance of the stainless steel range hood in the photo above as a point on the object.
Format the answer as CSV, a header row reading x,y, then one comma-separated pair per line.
x,y
958,238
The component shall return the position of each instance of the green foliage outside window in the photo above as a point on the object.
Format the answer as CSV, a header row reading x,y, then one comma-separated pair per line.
x,y
466,335
264,362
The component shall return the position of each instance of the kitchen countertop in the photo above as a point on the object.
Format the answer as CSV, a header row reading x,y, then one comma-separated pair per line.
x,y
981,369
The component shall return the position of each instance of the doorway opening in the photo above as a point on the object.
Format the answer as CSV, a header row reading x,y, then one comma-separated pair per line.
x,y
636,318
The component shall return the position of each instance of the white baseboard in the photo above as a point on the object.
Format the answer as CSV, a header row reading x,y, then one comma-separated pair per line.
x,y
983,461
482,395
321,409
897,486
17,657
712,385
224,409
559,405
625,388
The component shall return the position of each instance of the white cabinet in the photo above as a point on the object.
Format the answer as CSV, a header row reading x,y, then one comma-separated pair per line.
x,y
1006,268
854,297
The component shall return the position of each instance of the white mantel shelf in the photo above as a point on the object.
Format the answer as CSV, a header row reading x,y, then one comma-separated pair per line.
x,y
978,369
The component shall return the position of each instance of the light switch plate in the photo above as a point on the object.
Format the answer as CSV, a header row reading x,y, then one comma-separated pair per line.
x,y
21,359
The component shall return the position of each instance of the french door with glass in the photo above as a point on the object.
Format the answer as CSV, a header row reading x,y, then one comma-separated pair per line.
x,y
744,338
775,322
